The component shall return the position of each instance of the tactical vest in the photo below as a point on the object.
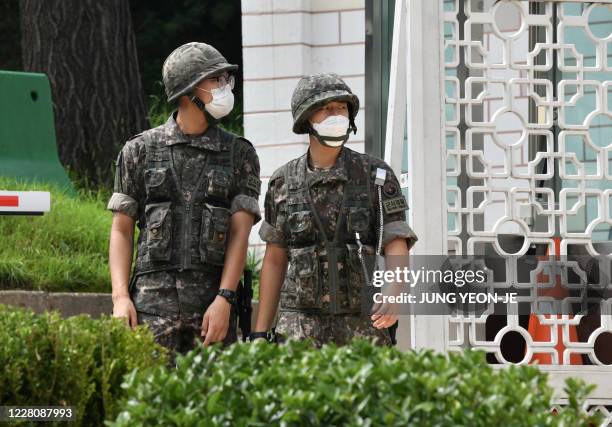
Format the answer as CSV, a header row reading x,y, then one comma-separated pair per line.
x,y
319,263
182,229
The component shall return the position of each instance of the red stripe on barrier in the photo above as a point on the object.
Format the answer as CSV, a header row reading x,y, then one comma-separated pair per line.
x,y
9,201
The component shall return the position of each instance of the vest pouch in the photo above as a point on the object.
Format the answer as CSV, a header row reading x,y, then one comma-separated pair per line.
x,y
213,236
159,231
218,184
358,221
301,226
359,287
157,183
302,288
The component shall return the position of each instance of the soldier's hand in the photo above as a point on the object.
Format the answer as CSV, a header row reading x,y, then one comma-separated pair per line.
x,y
123,307
382,318
216,321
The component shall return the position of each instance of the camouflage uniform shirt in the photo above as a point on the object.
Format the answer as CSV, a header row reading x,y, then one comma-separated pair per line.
x,y
174,301
326,189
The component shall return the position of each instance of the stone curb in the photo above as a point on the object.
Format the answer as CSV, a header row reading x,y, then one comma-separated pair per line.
x,y
68,303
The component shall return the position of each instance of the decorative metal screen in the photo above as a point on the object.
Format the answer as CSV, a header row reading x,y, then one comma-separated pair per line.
x,y
528,97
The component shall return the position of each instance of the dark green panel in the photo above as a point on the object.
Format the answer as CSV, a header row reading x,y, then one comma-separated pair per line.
x,y
28,150
379,39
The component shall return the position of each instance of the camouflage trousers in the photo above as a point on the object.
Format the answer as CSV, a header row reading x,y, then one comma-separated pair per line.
x,y
322,329
172,304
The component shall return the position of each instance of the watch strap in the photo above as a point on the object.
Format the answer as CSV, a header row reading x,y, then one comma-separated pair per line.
x,y
229,295
255,335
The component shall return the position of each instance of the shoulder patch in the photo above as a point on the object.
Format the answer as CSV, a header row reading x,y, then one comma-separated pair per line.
x,y
390,189
397,204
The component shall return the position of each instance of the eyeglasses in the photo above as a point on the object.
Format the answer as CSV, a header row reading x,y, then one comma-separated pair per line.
x,y
225,79
222,81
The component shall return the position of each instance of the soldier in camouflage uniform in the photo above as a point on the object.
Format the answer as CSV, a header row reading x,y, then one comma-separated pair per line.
x,y
319,208
192,189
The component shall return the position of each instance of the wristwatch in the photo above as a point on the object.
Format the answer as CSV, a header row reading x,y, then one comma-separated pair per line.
x,y
255,335
268,336
229,295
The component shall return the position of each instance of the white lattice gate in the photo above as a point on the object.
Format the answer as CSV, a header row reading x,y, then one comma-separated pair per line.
x,y
509,121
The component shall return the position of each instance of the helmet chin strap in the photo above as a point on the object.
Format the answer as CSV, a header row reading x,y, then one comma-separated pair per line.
x,y
202,107
342,138
352,126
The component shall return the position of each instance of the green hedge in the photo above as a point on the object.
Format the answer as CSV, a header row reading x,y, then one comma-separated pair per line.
x,y
63,250
261,384
76,362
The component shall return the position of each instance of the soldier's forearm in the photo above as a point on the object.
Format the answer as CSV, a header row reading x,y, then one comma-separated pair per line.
x,y
237,246
396,253
120,260
273,273
269,294
396,247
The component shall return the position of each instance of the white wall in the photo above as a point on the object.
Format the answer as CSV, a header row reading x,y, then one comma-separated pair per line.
x,y
283,40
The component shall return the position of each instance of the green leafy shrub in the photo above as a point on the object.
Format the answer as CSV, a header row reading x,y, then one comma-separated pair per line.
x,y
253,263
158,108
63,250
76,361
294,384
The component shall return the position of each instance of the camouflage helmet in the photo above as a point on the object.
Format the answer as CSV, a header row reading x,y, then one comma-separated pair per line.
x,y
189,64
312,92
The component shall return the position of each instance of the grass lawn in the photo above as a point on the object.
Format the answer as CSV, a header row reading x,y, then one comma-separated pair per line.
x,y
63,250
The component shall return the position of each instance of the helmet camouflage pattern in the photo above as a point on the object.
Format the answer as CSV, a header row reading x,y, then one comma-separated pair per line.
x,y
189,64
312,92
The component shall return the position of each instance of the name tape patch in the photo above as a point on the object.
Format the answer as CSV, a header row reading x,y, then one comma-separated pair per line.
x,y
397,204
254,183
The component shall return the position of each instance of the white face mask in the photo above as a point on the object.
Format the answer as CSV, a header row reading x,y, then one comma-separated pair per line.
x,y
222,102
334,127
